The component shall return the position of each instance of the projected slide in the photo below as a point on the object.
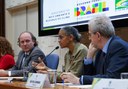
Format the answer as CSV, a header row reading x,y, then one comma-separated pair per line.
x,y
57,13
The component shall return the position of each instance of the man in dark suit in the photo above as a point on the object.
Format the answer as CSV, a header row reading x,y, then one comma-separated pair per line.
x,y
111,53
30,52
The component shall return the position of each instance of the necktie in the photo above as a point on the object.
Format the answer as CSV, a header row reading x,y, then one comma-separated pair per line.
x,y
102,60
23,60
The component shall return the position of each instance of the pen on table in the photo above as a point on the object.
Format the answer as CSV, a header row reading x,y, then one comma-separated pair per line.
x,y
63,70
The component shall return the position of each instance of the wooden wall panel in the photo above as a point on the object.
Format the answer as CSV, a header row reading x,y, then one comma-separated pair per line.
x,y
2,17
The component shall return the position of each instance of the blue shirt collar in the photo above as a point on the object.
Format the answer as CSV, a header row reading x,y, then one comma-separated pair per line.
x,y
105,48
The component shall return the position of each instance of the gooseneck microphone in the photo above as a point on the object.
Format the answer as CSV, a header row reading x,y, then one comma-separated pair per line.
x,y
52,51
43,59
34,67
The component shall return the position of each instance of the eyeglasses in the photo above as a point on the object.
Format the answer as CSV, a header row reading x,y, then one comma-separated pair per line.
x,y
91,33
60,37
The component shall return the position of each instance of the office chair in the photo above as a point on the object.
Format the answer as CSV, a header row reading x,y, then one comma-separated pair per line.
x,y
52,61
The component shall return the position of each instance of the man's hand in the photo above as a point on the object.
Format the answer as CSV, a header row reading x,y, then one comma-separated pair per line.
x,y
69,77
3,73
91,51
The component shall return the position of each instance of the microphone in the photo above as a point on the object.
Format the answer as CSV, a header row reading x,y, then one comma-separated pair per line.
x,y
25,77
43,59
52,51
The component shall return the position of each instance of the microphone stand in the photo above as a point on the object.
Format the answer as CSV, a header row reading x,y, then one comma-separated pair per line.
x,y
25,72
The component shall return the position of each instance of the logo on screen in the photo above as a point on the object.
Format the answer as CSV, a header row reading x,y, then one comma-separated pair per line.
x,y
90,9
121,4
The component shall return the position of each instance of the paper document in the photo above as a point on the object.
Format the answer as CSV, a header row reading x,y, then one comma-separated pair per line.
x,y
82,86
75,85
6,78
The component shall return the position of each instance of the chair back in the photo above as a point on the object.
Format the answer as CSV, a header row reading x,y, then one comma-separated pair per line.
x,y
52,61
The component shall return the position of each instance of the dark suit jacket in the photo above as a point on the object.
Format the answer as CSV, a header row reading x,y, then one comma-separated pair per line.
x,y
116,61
17,70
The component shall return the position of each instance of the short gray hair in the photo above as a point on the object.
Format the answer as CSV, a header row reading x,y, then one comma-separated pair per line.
x,y
103,25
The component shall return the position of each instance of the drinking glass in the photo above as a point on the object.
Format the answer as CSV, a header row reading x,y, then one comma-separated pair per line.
x,y
52,75
25,75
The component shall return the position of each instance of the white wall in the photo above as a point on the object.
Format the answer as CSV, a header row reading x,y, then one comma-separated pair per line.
x,y
25,18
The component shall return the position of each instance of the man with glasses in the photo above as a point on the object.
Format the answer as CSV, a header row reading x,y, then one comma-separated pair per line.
x,y
111,53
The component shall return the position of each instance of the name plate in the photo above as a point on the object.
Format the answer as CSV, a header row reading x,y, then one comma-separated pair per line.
x,y
102,83
36,80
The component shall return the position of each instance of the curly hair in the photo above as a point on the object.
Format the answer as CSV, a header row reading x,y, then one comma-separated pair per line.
x,y
5,47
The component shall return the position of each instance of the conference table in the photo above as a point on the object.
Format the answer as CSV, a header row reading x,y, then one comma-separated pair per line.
x,y
21,85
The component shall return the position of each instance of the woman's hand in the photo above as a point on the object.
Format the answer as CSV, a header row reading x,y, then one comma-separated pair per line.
x,y
40,66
